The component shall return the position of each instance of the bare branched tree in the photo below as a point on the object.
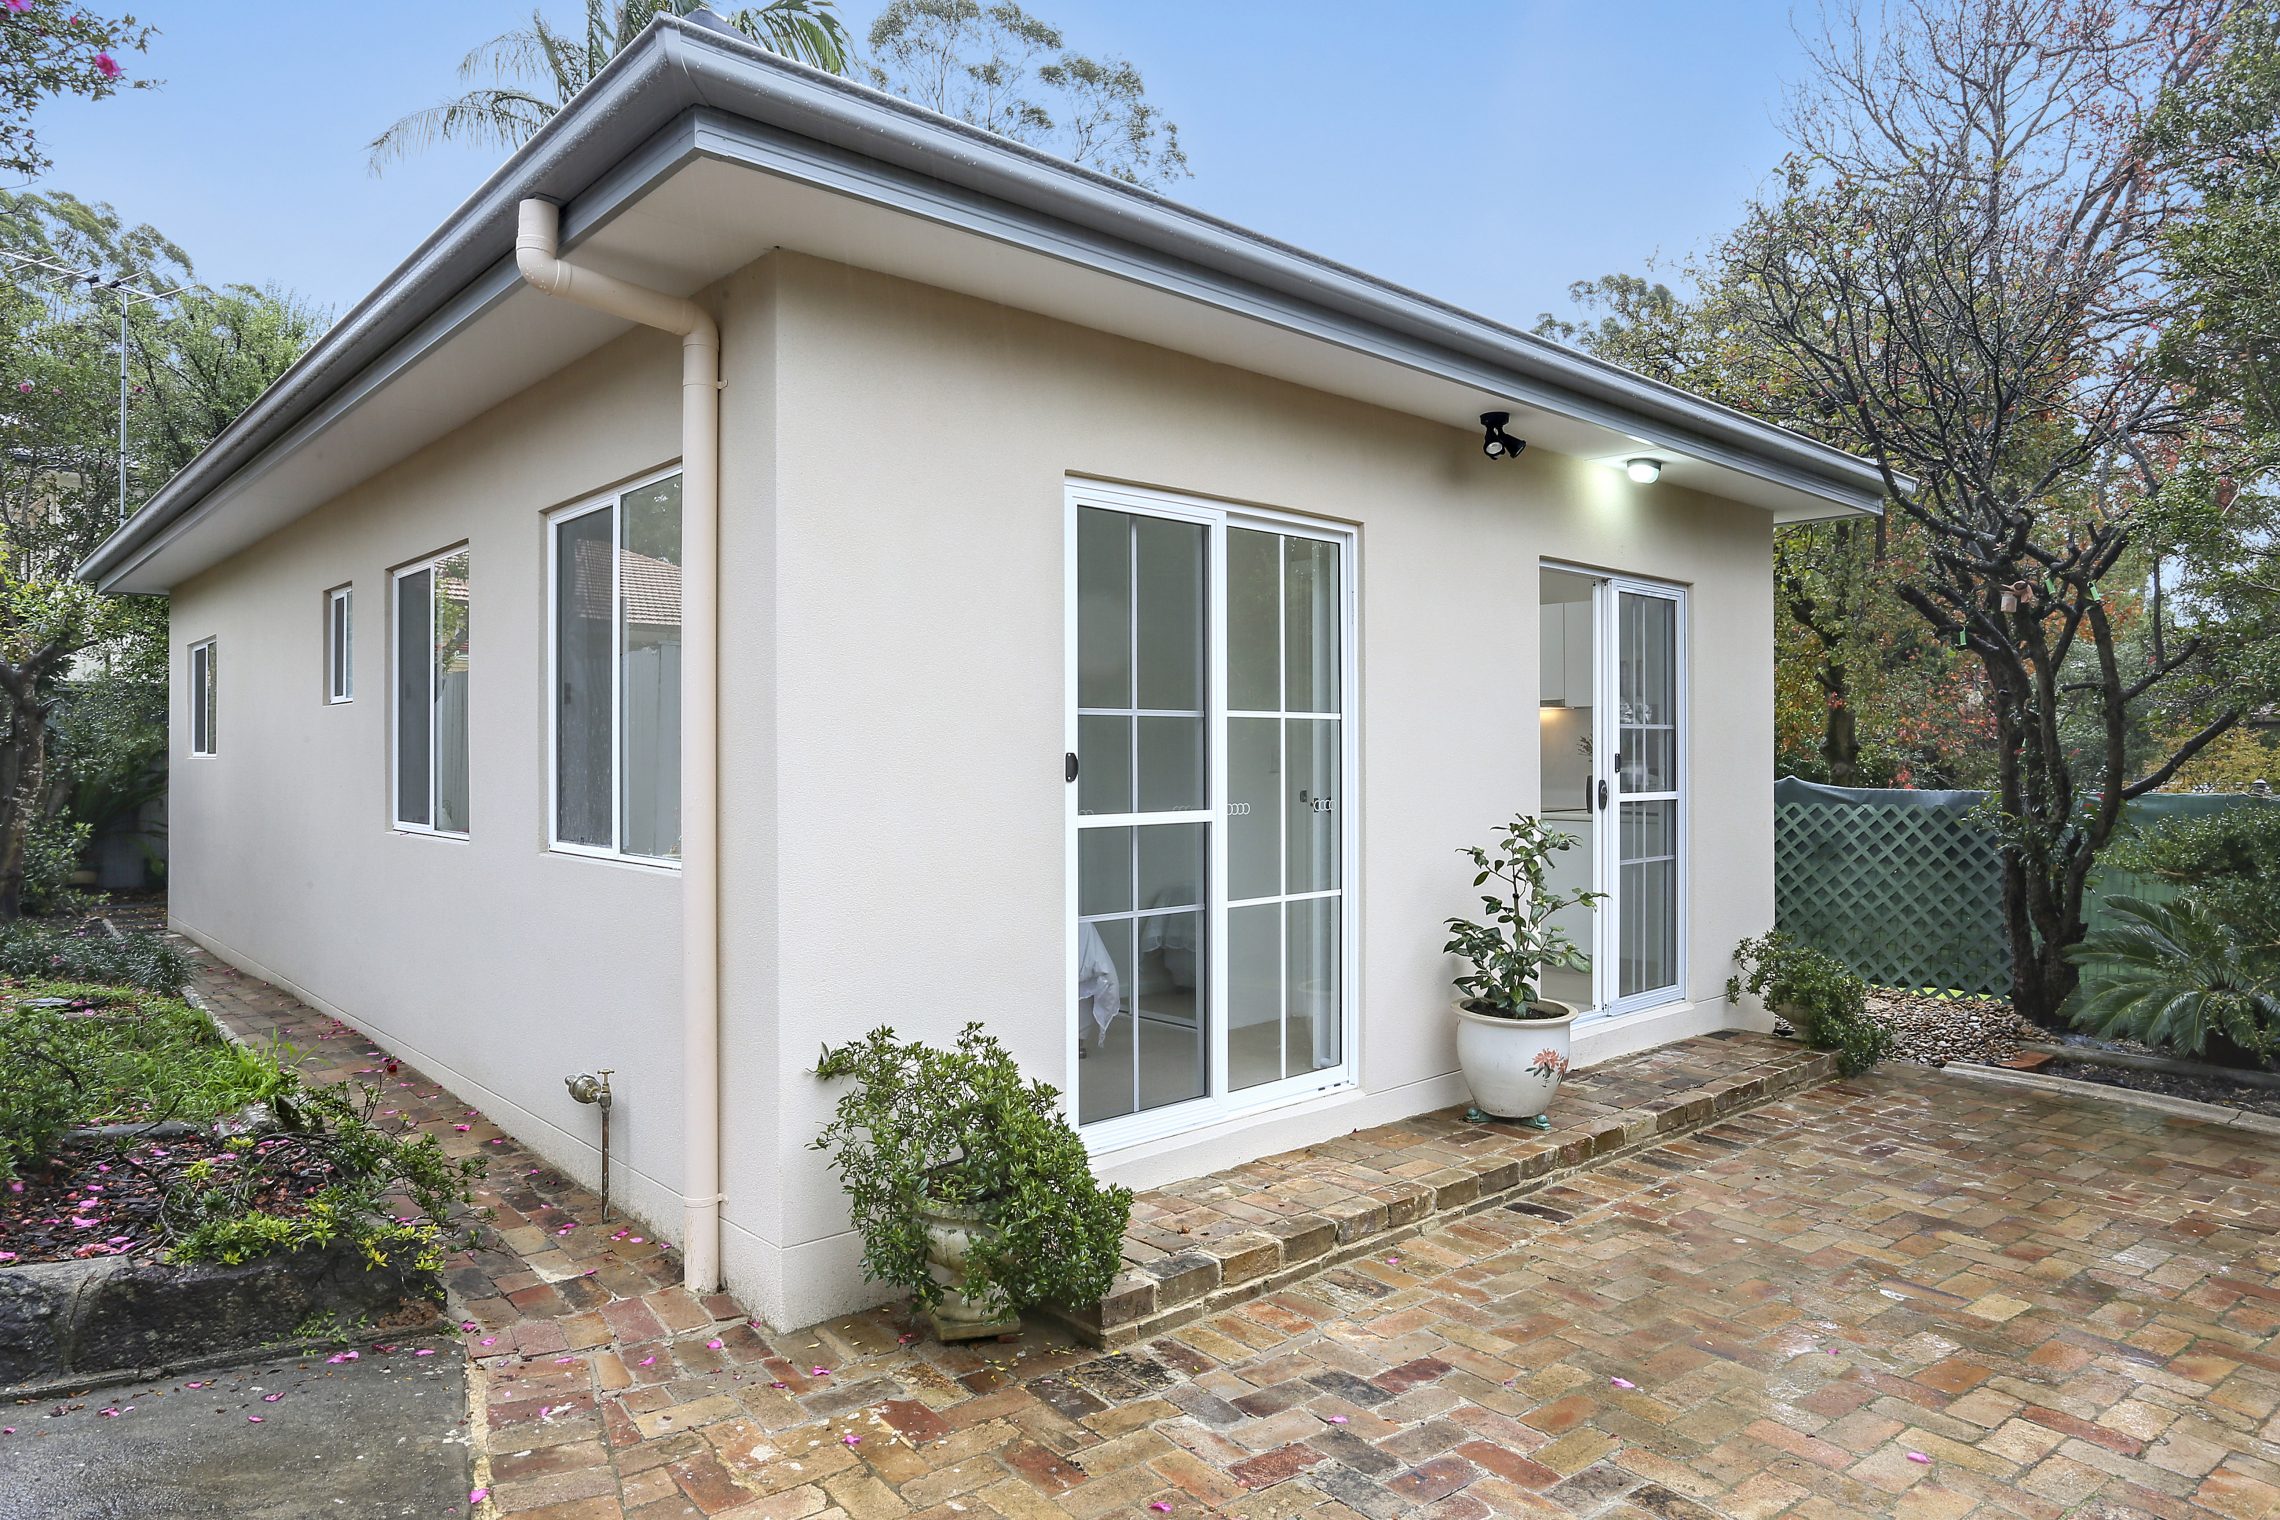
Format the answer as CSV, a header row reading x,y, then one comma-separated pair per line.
x,y
1963,266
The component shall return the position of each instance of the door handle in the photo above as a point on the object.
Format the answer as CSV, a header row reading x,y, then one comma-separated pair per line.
x,y
1603,794
1069,767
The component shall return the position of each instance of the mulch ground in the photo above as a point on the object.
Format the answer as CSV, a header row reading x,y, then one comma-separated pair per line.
x,y
2200,1089
102,1197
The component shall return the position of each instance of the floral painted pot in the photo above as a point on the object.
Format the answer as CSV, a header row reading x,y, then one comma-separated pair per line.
x,y
1514,1066
958,1316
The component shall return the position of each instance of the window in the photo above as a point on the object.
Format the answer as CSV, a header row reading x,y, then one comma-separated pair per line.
x,y
431,606
202,698
616,594
1210,688
340,631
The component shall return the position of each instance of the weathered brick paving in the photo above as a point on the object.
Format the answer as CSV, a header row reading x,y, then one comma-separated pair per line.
x,y
2063,1308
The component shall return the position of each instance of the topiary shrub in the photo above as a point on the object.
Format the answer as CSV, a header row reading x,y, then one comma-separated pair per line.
x,y
962,1127
1820,996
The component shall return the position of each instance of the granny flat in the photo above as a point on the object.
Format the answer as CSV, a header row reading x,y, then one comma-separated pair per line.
x,y
778,562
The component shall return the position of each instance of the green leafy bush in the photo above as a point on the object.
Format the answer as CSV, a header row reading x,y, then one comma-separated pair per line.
x,y
1510,952
53,848
1820,996
962,1127
234,1211
36,951
111,1056
2183,976
2228,861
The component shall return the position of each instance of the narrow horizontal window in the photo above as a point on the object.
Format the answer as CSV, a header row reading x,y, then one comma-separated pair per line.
x,y
616,593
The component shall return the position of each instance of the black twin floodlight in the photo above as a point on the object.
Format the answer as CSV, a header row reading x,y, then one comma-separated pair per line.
x,y
1498,444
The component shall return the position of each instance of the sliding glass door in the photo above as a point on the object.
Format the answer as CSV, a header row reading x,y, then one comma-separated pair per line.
x,y
1645,840
1209,823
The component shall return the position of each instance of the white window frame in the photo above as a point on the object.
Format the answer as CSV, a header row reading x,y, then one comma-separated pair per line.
x,y
433,565
340,645
205,696
1218,1104
606,501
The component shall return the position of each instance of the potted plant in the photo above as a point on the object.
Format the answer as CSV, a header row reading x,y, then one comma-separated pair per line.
x,y
1512,1041
968,1186
1815,994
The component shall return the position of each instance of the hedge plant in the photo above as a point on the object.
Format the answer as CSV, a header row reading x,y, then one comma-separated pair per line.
x,y
961,1127
1823,999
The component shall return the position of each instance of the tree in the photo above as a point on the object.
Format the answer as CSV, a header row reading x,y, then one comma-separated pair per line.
x,y
534,70
1003,70
48,49
1962,266
197,360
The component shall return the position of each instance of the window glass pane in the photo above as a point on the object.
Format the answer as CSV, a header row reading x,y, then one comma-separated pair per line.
x,y
1104,609
583,636
1104,1019
451,647
1170,1004
1254,995
1647,844
1310,1037
414,723
1647,698
1169,577
1314,802
1104,765
336,646
1254,808
1104,871
1171,865
649,583
1254,621
1310,625
1171,765
202,700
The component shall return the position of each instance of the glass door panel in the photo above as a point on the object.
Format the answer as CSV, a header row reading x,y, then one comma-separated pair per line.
x,y
1646,785
1143,832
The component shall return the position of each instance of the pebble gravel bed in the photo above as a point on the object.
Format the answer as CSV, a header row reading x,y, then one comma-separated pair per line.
x,y
1931,1030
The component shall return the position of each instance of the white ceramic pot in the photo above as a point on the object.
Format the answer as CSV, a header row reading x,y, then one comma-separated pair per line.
x,y
950,1234
1514,1066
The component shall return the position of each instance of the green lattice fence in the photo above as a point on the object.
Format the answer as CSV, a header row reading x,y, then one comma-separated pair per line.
x,y
1906,896
1909,893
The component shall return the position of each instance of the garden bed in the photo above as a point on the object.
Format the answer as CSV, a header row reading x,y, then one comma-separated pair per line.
x,y
99,1197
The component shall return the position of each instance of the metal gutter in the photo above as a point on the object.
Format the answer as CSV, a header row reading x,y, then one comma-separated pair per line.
x,y
796,119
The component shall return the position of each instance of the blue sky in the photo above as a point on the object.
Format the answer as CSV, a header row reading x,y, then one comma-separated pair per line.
x,y
1486,153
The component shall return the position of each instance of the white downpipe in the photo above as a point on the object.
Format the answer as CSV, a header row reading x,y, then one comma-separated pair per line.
x,y
537,244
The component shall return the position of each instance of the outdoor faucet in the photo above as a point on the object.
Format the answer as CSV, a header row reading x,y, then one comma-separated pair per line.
x,y
594,1087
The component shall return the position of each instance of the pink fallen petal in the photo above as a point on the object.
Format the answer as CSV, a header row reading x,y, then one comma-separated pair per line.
x,y
193,1385
1917,1456
1622,1382
477,1495
779,1385
490,1340
108,1414
851,1439
819,1372
1337,1419
1159,1506
648,1361
714,1344
253,1419
271,1398
425,1351
463,1128
564,1361
468,1325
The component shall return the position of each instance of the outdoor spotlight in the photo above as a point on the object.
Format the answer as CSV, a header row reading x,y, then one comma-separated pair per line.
x,y
1645,471
1499,444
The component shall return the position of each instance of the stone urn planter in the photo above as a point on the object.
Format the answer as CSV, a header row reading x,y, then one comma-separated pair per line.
x,y
1514,1066
951,1230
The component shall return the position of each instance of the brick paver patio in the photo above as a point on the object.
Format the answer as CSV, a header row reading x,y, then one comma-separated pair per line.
x,y
1907,1294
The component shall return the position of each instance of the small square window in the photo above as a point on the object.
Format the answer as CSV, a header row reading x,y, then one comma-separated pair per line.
x,y
340,645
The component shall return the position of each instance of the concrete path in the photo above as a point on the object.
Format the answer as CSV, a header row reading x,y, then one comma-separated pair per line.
x,y
383,1436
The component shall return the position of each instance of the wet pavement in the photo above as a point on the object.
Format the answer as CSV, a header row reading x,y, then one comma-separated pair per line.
x,y
384,1435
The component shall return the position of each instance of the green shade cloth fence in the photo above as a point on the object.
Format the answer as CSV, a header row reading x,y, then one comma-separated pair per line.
x,y
1905,889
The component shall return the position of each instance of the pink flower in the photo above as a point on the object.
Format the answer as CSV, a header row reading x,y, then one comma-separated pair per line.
x,y
19,6
107,66
23,386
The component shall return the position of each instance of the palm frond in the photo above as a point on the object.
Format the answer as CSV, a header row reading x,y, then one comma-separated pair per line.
x,y
2175,976
503,118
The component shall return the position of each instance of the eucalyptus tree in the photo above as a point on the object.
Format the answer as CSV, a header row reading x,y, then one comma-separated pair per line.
x,y
1001,69
1962,268
519,79
195,361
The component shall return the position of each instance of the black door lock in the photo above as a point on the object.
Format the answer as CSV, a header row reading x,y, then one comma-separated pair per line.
x,y
1069,767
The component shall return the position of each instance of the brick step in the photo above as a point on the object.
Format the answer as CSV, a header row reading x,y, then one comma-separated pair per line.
x,y
1199,1246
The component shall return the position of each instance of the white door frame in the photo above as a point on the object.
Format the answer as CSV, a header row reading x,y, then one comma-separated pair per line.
x,y
1217,1103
